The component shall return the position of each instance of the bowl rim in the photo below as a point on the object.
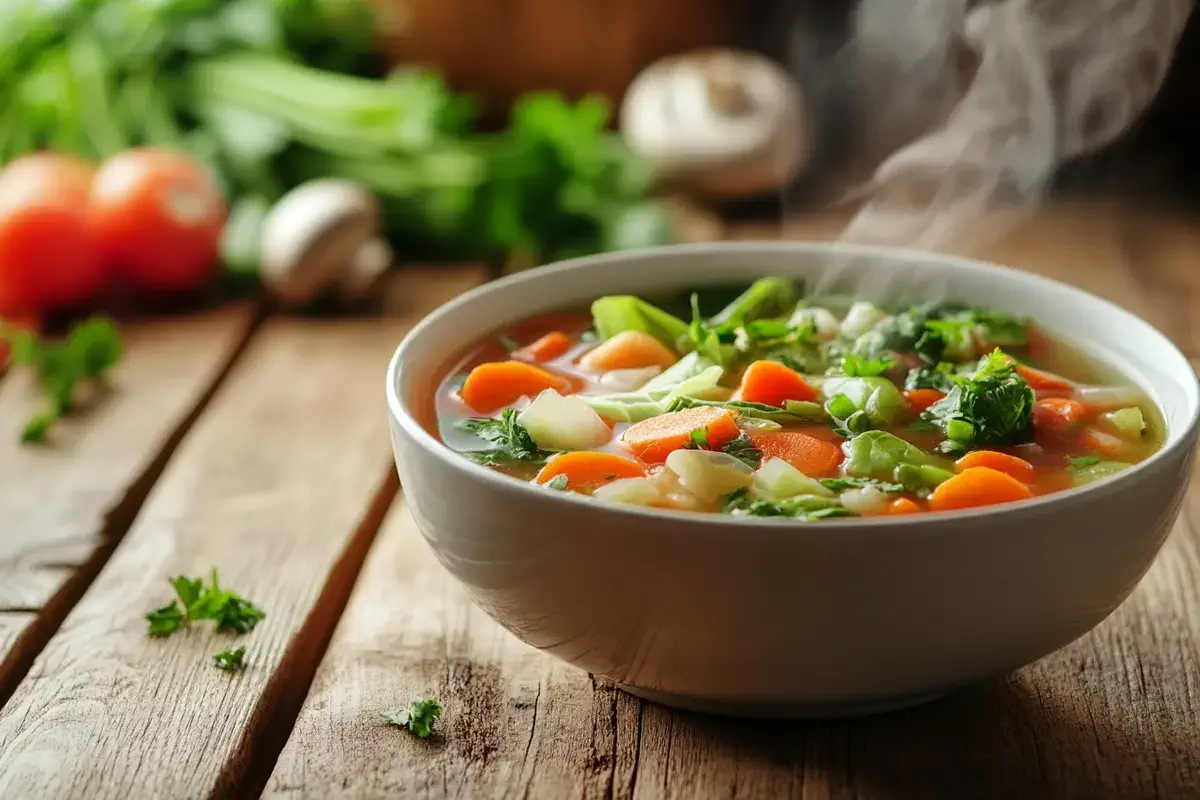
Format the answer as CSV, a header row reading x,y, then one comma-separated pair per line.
x,y
430,444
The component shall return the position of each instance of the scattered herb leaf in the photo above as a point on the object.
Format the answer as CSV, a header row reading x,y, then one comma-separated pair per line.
x,y
992,407
166,620
743,449
841,484
231,660
513,442
419,717
1083,462
227,609
858,367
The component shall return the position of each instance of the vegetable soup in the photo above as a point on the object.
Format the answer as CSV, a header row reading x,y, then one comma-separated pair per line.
x,y
765,403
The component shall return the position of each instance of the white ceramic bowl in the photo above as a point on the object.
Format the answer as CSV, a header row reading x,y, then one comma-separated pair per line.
x,y
770,617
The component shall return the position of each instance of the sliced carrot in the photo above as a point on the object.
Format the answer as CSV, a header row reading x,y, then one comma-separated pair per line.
x,y
652,440
547,348
586,470
628,350
773,384
921,399
808,454
902,505
497,384
1040,379
1019,468
1058,414
978,486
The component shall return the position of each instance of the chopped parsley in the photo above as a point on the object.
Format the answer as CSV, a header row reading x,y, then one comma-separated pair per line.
x,y
743,449
513,442
1082,462
808,508
197,601
419,717
90,350
939,378
993,407
231,660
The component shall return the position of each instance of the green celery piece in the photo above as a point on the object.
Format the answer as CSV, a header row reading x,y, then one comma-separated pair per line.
x,y
764,298
619,313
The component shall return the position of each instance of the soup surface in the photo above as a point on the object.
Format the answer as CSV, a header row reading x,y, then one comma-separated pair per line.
x,y
763,403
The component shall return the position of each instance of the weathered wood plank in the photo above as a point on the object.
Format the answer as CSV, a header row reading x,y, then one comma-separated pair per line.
x,y
56,500
279,486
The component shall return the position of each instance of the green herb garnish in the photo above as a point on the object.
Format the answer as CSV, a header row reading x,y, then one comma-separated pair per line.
x,y
512,440
842,484
857,367
993,407
743,449
87,354
1082,462
231,660
807,508
196,602
419,717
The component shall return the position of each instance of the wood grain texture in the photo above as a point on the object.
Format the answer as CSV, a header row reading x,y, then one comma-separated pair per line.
x,y
1114,715
275,486
55,500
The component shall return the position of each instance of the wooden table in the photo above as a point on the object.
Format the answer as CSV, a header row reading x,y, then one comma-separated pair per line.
x,y
258,445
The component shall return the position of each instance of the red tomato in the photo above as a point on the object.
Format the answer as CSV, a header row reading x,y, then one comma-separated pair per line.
x,y
48,256
158,216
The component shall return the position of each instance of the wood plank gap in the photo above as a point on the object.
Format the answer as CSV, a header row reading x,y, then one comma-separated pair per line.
x,y
19,658
246,774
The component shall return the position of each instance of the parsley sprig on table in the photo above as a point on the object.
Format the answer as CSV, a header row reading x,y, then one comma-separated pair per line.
x,y
198,601
418,717
88,352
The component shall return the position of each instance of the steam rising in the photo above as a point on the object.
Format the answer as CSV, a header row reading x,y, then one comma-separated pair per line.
x,y
1052,80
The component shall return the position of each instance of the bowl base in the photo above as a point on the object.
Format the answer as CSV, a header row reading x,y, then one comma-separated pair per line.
x,y
783,710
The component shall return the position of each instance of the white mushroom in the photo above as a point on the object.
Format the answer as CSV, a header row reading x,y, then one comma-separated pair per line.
x,y
321,238
726,123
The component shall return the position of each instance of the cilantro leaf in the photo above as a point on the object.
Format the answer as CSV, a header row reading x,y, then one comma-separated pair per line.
x,y
166,620
743,449
419,717
231,660
993,407
858,367
512,440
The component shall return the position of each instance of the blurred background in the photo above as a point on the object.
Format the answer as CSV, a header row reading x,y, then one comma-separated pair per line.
x,y
316,143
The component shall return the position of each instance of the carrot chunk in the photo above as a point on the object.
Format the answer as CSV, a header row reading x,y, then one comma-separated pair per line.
x,y
1105,443
587,470
773,384
1019,468
547,348
628,350
1058,414
1040,379
978,486
808,454
902,505
921,399
497,384
652,440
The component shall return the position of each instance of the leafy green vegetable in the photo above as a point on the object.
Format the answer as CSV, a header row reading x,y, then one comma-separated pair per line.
x,y
806,508
705,340
993,407
198,601
419,717
743,449
939,377
231,659
794,412
877,454
619,313
766,297
858,367
647,403
1097,471
842,484
877,398
91,349
512,442
922,478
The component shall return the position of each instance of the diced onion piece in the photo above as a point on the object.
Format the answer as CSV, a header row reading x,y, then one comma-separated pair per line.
x,y
627,380
822,319
1108,397
779,480
866,500
708,474
563,423
861,317
631,491
1128,422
